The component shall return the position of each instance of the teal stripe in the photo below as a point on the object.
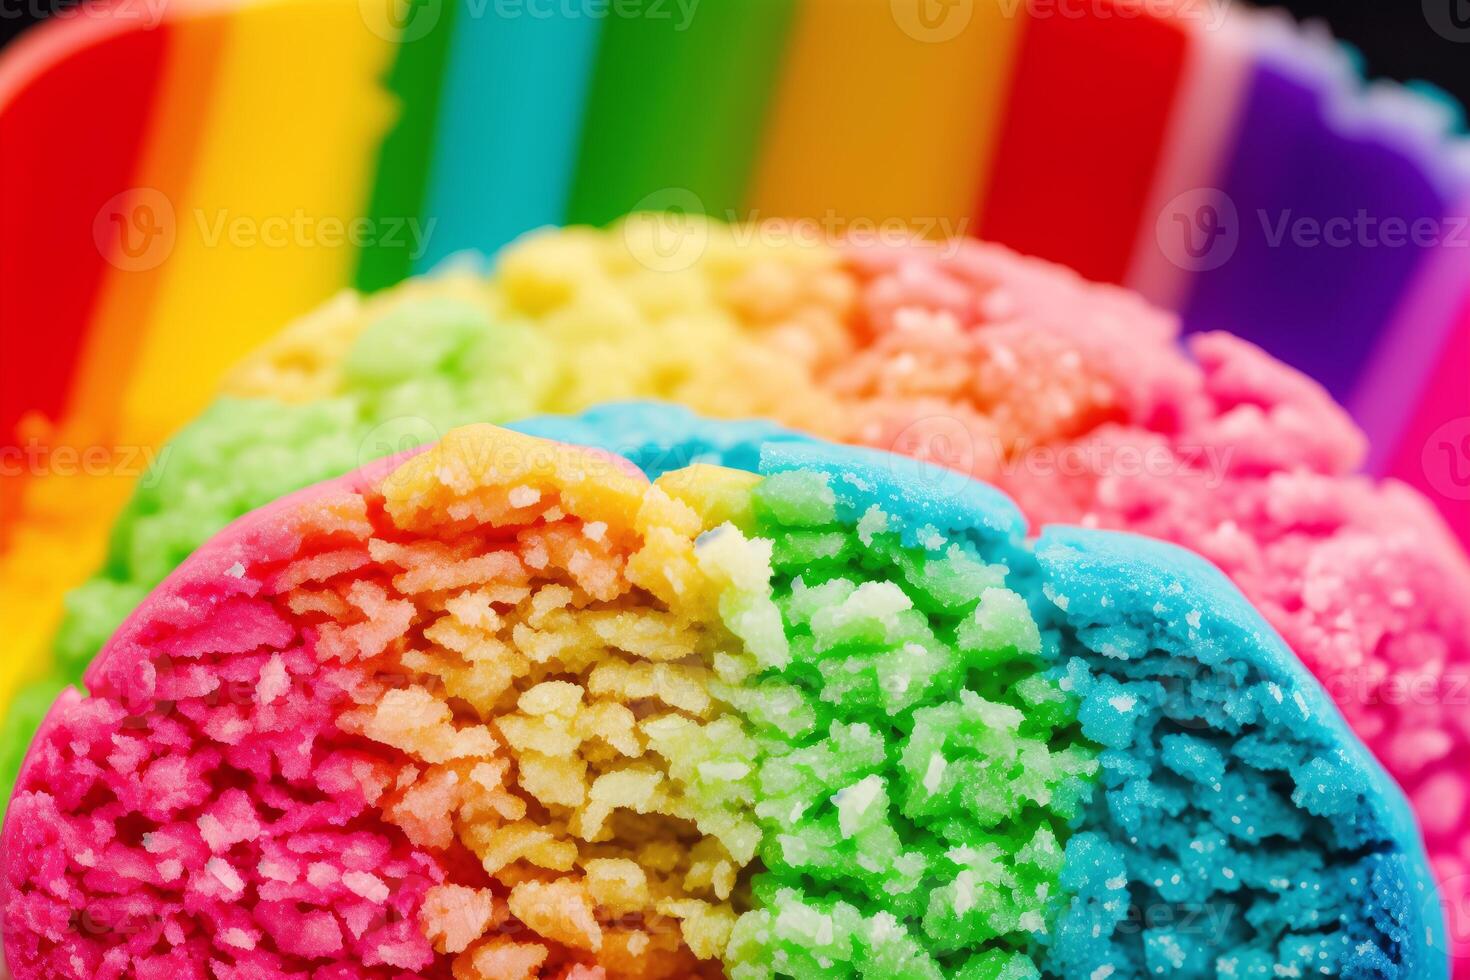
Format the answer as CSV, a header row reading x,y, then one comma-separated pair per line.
x,y
506,145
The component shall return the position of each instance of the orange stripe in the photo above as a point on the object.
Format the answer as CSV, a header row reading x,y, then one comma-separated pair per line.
x,y
121,322
884,113
267,230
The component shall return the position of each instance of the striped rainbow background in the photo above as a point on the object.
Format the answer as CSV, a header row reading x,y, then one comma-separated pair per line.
x,y
152,146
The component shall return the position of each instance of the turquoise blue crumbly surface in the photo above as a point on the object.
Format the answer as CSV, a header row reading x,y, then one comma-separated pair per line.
x,y
1240,830
1233,789
659,437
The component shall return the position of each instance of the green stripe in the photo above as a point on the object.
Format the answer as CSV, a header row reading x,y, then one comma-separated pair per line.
x,y
401,185
678,100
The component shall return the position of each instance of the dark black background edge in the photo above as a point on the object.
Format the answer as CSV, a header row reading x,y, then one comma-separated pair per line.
x,y
1395,36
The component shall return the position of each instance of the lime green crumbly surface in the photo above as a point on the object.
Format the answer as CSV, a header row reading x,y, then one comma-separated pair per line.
x,y
917,772
407,381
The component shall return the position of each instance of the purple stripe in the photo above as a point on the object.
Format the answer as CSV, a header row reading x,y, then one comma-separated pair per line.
x,y
1298,166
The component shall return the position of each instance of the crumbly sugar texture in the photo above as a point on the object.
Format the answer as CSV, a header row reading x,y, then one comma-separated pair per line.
x,y
1078,399
505,708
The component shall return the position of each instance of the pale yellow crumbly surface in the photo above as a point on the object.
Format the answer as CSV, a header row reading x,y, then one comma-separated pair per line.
x,y
550,630
612,317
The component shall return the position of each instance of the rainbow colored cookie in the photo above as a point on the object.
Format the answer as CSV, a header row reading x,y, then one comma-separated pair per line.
x,y
504,708
1078,400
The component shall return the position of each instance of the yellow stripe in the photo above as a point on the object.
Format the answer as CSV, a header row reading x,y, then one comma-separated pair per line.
x,y
281,175
50,553
888,110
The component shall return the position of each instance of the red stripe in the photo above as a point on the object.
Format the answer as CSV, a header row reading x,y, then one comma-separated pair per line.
x,y
74,105
1082,137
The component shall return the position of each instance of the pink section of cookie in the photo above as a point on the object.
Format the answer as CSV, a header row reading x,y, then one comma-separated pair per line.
x,y
203,801
204,813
